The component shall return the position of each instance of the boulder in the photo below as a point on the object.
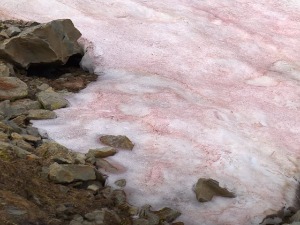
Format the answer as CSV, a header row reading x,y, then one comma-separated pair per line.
x,y
12,88
40,114
49,43
206,189
51,100
118,141
68,173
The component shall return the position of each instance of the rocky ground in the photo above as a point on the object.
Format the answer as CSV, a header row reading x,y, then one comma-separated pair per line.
x,y
41,181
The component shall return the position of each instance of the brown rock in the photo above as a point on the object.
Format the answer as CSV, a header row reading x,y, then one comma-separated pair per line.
x,y
12,88
119,141
206,189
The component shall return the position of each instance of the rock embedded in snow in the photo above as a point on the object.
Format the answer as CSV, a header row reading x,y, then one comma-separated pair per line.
x,y
49,43
101,152
120,183
12,88
118,141
206,189
51,100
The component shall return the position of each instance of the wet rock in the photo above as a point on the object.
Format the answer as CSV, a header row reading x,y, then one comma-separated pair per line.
x,y
12,31
101,152
69,173
12,88
49,43
53,151
40,114
51,100
119,141
206,189
120,183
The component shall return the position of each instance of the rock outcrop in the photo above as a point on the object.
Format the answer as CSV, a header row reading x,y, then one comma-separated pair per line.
x,y
50,43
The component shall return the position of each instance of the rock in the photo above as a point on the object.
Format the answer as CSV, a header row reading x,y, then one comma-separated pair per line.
x,y
21,121
51,100
5,128
120,183
79,158
93,187
101,152
167,214
25,104
31,138
12,31
70,173
117,141
49,43
53,151
146,213
40,114
3,137
140,222
119,197
23,144
296,217
12,88
103,217
4,70
206,189
105,165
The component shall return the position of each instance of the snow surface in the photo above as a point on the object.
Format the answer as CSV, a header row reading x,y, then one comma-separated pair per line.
x,y
204,88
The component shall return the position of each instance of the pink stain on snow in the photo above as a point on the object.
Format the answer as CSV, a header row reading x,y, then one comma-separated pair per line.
x,y
204,89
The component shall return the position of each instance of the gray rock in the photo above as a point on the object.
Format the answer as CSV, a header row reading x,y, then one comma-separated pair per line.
x,y
51,100
40,114
206,189
69,173
119,141
101,152
296,217
23,144
12,31
31,138
53,42
12,88
103,164
146,213
25,104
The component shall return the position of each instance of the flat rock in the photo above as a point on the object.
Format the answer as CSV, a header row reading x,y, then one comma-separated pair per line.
x,y
101,152
68,173
49,43
12,88
206,189
51,100
118,141
40,114
105,165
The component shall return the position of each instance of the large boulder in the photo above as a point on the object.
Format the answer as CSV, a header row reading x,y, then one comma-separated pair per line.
x,y
49,43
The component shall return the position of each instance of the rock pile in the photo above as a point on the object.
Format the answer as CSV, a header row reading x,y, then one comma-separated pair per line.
x,y
41,181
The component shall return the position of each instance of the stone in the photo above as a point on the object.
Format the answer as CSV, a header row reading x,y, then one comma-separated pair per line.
x,y
12,88
105,165
12,31
119,197
21,121
206,189
146,213
40,114
120,183
79,158
31,138
296,217
49,43
70,173
4,70
167,214
119,141
93,187
101,152
53,151
140,222
25,104
5,127
3,137
103,217
51,100
23,144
